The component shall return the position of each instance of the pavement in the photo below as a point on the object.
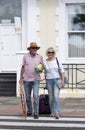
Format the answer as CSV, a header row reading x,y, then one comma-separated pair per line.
x,y
70,106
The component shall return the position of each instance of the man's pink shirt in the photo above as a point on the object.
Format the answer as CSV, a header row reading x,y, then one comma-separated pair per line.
x,y
29,64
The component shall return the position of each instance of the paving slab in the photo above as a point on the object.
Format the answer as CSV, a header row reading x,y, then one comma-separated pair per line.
x,y
69,106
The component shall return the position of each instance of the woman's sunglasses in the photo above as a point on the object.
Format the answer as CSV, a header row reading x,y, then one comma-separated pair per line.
x,y
51,52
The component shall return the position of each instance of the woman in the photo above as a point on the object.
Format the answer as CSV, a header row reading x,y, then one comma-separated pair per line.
x,y
54,81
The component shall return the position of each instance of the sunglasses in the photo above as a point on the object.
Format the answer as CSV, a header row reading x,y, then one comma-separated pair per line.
x,y
33,47
51,52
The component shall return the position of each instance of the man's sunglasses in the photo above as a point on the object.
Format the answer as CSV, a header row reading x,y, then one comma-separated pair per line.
x,y
33,47
51,52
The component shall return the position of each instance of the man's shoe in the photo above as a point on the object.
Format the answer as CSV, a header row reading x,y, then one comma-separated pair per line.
x,y
29,114
36,116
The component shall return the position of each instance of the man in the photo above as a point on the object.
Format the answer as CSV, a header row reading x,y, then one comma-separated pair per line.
x,y
31,78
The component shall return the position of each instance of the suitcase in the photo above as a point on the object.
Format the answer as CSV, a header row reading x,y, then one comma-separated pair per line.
x,y
44,107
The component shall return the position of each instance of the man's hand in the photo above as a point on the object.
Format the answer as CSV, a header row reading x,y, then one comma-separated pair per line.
x,y
20,81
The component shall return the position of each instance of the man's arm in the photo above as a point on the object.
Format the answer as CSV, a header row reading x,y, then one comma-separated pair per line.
x,y
21,74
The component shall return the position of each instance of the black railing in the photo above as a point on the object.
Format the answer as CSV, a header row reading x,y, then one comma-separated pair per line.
x,y
76,75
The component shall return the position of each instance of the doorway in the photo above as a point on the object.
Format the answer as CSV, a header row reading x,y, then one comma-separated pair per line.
x,y
10,44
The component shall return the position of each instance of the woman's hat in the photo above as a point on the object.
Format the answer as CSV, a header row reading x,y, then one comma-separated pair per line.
x,y
32,45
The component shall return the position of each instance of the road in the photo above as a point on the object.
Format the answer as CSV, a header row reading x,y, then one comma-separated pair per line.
x,y
43,123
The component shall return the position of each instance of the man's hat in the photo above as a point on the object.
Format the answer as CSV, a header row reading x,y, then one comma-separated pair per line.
x,y
33,44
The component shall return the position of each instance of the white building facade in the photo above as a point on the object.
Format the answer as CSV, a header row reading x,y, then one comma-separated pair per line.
x,y
57,23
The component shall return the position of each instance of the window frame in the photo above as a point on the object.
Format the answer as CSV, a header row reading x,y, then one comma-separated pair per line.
x,y
8,18
63,29
69,31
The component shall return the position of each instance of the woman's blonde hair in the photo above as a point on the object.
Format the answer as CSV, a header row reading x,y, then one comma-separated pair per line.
x,y
50,48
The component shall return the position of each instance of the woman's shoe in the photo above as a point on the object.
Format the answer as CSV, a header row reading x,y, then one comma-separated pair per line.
x,y
57,116
51,115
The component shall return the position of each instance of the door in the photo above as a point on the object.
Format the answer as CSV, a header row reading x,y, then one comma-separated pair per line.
x,y
10,44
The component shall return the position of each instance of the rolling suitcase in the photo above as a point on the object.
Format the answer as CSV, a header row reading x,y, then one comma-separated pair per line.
x,y
44,107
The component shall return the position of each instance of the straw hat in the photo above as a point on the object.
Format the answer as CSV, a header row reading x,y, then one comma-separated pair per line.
x,y
33,44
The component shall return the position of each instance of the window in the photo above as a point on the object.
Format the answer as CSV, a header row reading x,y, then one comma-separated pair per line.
x,y
9,9
76,30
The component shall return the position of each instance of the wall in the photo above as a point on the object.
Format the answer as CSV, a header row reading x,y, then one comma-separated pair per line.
x,y
41,26
47,20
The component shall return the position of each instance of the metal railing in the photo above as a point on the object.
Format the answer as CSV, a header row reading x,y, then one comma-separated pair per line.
x,y
76,75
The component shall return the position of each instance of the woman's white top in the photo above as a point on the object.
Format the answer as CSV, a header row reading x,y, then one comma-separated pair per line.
x,y
51,68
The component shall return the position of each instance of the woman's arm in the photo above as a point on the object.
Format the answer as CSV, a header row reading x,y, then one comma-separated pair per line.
x,y
62,79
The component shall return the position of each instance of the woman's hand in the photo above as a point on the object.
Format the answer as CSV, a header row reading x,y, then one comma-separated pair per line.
x,y
62,80
62,83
